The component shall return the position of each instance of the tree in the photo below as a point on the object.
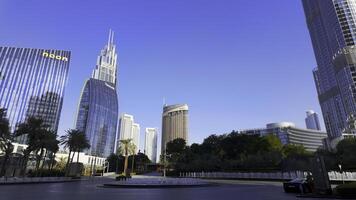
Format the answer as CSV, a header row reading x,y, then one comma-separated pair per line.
x,y
68,142
346,149
175,146
126,148
35,131
6,139
75,141
51,146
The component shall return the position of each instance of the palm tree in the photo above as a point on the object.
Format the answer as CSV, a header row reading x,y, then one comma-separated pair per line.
x,y
81,143
6,139
68,142
35,129
126,148
75,141
51,146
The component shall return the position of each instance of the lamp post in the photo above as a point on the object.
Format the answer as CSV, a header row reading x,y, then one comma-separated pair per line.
x,y
164,160
342,174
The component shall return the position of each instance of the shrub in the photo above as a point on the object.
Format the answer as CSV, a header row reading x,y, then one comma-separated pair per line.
x,y
348,189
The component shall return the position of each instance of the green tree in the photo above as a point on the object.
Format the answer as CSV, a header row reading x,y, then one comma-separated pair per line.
x,y
175,146
6,139
75,141
346,149
126,148
35,131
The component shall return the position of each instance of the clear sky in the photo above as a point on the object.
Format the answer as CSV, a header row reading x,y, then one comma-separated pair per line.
x,y
238,64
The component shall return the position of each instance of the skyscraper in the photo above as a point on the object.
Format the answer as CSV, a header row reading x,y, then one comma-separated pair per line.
x,y
151,144
332,29
98,106
174,123
128,129
32,83
135,135
312,120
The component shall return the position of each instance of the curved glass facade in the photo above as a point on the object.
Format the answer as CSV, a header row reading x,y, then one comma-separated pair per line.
x,y
32,83
97,116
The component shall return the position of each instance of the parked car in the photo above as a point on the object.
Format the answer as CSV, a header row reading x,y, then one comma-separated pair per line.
x,y
297,185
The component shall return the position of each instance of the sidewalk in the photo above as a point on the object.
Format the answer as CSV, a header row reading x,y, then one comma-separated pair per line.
x,y
34,180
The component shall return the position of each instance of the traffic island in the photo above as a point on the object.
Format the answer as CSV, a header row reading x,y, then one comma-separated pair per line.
x,y
158,183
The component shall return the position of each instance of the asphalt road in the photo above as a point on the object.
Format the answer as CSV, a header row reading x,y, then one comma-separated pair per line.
x,y
91,190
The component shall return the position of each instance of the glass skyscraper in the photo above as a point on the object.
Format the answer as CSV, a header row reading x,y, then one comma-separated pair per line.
x,y
332,29
98,107
32,83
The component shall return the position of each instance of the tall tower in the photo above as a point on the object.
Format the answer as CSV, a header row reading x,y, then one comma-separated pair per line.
x,y
312,120
332,29
128,129
174,124
106,64
98,107
151,144
32,83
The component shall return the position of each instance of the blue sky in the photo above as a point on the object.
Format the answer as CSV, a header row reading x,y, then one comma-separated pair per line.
x,y
238,64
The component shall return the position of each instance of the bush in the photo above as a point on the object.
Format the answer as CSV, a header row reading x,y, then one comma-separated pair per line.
x,y
348,189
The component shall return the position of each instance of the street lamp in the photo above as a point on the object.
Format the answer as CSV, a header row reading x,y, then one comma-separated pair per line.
x,y
342,174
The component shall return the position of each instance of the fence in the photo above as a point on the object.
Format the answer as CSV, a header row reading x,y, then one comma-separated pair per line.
x,y
333,175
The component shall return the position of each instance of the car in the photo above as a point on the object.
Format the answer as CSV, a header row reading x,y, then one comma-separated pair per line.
x,y
297,185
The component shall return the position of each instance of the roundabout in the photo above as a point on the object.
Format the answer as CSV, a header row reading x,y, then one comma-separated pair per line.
x,y
158,182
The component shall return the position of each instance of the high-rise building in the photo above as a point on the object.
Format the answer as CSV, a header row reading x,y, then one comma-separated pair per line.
x,y
332,29
98,106
125,128
128,129
151,144
312,120
174,124
136,136
32,83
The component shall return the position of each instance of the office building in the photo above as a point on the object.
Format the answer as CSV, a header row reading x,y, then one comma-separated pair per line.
x,y
151,144
174,123
32,83
136,136
128,129
312,120
288,133
332,29
98,106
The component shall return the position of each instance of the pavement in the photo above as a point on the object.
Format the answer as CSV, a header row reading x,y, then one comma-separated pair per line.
x,y
92,190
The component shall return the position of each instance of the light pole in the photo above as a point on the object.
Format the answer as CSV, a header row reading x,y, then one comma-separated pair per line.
x,y
164,160
342,174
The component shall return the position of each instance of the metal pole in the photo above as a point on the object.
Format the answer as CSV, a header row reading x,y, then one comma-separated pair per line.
x,y
165,160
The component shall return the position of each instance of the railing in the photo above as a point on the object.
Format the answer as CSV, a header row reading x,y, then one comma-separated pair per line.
x,y
333,175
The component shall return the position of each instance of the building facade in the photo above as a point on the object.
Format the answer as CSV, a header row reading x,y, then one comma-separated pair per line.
x,y
312,120
151,144
288,133
32,83
174,124
136,130
332,29
128,129
98,106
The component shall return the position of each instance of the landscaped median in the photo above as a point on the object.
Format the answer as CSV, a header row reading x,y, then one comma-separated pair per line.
x,y
348,190
158,183
33,180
